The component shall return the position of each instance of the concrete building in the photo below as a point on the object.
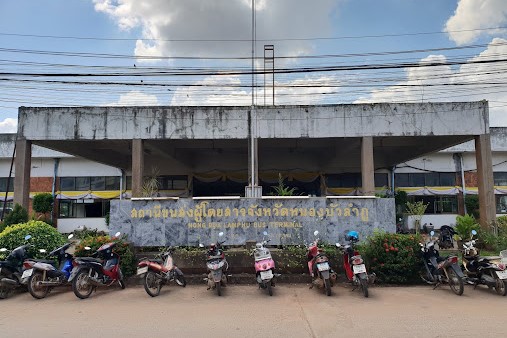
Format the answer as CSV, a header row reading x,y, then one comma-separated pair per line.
x,y
208,151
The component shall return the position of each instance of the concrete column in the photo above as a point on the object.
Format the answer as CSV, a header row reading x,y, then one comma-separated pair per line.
x,y
367,166
487,205
23,165
137,167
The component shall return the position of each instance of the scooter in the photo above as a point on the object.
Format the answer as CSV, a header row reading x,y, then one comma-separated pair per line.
x,y
264,266
159,271
486,270
12,268
90,272
354,265
438,270
43,276
217,266
318,265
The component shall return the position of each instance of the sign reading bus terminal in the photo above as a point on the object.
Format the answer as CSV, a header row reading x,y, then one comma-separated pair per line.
x,y
190,221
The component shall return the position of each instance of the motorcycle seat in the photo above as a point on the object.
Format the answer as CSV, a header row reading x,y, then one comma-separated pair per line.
x,y
46,261
7,264
90,259
489,258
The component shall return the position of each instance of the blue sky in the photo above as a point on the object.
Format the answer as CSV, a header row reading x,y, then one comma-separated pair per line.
x,y
202,49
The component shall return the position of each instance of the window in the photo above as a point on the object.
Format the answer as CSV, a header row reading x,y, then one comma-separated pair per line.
x,y
447,179
83,208
82,183
416,180
401,180
381,180
67,183
430,179
346,180
96,183
3,184
500,178
501,204
112,183
438,204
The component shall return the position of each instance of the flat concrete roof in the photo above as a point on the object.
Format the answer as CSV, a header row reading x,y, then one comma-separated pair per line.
x,y
323,138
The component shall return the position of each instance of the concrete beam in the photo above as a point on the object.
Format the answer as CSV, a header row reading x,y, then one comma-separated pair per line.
x,y
23,165
487,207
137,167
367,166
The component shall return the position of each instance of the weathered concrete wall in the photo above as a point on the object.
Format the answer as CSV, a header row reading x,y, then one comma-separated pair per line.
x,y
288,221
352,120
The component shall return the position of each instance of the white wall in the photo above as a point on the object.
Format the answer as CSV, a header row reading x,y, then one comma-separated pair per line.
x,y
66,225
436,220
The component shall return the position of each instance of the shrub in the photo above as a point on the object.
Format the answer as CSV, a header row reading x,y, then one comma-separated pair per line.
x,y
128,261
464,226
502,225
472,205
84,232
43,203
394,258
18,215
44,236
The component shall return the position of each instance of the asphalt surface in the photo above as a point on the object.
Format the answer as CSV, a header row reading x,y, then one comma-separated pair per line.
x,y
245,311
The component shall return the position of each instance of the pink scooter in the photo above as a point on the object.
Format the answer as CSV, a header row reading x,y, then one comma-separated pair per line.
x,y
264,266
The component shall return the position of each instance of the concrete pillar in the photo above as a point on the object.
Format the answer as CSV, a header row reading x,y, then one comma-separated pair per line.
x,y
367,166
23,165
487,207
137,167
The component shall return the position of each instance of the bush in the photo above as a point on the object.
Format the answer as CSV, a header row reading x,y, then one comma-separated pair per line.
x,y
464,226
128,261
18,215
472,205
44,236
43,203
394,258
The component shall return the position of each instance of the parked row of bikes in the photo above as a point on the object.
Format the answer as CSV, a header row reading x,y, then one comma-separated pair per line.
x,y
102,268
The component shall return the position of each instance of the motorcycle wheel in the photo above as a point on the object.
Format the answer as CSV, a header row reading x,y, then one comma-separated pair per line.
x,y
82,289
455,282
364,287
219,288
37,292
500,287
327,285
180,280
270,289
121,281
152,284
4,292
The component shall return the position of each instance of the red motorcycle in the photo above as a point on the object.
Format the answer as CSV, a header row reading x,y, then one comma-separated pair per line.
x,y
318,265
159,271
354,265
90,272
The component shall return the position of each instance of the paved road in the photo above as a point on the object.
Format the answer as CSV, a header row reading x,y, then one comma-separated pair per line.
x,y
245,311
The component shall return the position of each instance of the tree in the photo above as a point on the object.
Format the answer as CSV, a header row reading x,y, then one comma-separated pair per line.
x,y
417,210
43,203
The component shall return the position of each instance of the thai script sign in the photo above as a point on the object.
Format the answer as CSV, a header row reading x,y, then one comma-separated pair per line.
x,y
187,221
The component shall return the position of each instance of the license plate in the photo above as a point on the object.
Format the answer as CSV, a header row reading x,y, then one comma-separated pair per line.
x,y
502,274
27,273
266,274
142,270
323,266
360,268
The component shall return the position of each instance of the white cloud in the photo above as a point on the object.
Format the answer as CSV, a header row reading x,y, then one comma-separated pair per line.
x,y
476,14
136,98
219,19
477,82
9,125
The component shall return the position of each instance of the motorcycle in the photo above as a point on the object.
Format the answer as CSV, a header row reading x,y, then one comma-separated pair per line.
x,y
159,271
354,265
12,268
42,276
318,265
486,270
90,272
445,239
217,266
438,270
264,266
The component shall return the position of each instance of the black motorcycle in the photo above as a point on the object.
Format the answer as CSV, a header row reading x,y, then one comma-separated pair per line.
x,y
438,270
445,239
11,270
485,270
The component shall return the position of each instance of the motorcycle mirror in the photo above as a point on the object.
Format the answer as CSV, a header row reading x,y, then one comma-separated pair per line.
x,y
474,232
117,234
87,248
27,237
201,245
220,234
3,249
338,245
42,250
265,233
316,233
432,233
70,236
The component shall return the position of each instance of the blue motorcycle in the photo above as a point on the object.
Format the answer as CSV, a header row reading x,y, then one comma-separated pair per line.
x,y
43,276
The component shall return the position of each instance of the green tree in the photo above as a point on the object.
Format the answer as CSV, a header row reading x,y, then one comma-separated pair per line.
x,y
18,215
43,203
417,210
